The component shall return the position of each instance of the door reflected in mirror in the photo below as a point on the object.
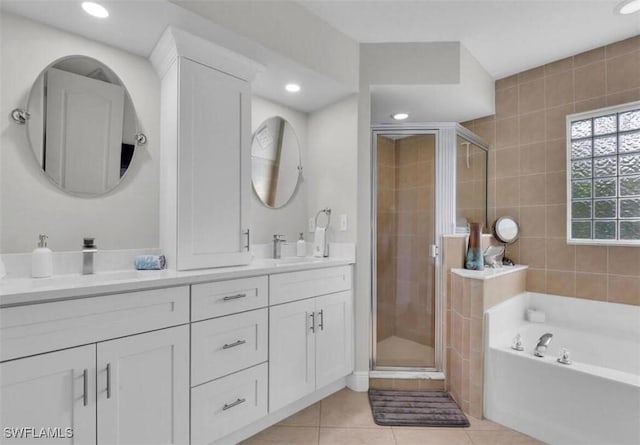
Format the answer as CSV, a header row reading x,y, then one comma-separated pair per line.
x,y
82,127
275,162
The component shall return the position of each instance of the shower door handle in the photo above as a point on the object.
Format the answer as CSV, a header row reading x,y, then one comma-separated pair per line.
x,y
435,251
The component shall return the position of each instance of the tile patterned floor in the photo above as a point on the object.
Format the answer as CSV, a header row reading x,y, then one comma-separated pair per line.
x,y
397,351
344,418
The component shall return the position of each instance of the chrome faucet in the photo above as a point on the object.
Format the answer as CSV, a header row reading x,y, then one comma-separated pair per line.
x,y
541,347
277,246
88,252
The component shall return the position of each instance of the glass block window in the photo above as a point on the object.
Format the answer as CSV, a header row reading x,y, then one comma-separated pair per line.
x,y
603,176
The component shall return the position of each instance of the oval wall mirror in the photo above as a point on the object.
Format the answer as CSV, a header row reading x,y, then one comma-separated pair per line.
x,y
275,162
506,230
82,126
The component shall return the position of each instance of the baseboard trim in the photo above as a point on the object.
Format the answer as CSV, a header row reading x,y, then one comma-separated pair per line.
x,y
358,381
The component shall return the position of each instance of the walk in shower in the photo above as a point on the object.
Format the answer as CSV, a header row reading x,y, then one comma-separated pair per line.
x,y
428,180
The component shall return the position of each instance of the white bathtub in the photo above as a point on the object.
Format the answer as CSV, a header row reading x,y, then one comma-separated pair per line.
x,y
596,400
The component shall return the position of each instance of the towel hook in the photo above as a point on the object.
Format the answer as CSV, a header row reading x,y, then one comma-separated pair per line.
x,y
20,116
326,211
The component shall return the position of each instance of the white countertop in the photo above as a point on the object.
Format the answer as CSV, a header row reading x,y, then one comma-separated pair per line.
x,y
488,272
19,291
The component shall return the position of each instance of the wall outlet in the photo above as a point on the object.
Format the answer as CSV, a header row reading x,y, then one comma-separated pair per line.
x,y
312,225
343,222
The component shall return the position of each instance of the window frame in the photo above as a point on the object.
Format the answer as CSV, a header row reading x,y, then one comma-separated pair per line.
x,y
600,112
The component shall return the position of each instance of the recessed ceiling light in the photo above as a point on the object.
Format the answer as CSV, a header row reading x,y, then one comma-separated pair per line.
x,y
400,116
292,87
628,7
95,10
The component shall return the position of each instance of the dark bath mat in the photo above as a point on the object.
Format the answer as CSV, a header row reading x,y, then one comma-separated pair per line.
x,y
415,408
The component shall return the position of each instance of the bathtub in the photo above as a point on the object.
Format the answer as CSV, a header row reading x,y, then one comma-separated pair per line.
x,y
595,400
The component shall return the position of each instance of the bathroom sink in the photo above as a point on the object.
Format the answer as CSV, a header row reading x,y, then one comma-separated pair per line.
x,y
288,261
83,280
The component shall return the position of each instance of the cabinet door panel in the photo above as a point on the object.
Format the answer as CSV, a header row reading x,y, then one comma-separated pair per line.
x,y
213,167
334,334
48,391
291,353
144,397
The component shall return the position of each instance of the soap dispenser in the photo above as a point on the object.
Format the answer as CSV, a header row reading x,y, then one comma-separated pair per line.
x,y
42,260
301,246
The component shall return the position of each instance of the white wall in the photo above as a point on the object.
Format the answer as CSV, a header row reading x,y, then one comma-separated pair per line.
x,y
289,220
332,171
125,218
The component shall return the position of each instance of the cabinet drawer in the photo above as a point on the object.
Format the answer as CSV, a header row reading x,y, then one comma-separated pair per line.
x,y
32,329
228,344
309,283
223,406
210,300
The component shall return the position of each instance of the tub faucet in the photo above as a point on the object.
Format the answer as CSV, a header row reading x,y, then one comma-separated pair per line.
x,y
277,246
541,347
88,252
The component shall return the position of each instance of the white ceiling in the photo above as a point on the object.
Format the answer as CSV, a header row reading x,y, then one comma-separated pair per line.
x,y
506,37
136,25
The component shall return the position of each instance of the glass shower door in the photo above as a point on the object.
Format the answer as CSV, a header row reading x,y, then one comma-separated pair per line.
x,y
405,271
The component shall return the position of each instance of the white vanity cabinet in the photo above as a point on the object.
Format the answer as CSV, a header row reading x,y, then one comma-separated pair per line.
x,y
123,386
205,152
311,339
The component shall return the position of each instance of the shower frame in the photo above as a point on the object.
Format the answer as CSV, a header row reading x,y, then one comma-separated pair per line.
x,y
446,134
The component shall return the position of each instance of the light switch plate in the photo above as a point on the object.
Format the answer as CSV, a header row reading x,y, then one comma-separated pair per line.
x,y
343,222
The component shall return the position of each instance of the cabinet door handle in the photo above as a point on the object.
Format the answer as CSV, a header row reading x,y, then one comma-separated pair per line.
x,y
108,380
248,233
85,387
234,344
232,404
321,323
234,297
313,322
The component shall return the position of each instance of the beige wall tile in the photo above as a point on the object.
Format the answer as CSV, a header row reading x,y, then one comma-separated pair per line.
x,y
590,81
533,252
623,97
532,127
533,158
588,57
529,75
623,73
591,286
623,289
508,162
623,47
533,221
559,89
506,132
381,383
506,102
560,255
536,280
556,188
558,66
507,192
531,96
591,259
556,121
557,221
590,104
507,82
561,283
623,261
533,190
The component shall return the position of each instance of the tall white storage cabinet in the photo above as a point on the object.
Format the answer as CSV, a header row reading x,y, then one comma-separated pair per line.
x,y
205,179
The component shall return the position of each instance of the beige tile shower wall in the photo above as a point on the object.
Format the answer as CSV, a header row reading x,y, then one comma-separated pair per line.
x,y
470,184
527,169
415,296
386,242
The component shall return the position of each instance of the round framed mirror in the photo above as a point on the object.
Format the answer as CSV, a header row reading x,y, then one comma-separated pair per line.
x,y
275,162
506,230
82,126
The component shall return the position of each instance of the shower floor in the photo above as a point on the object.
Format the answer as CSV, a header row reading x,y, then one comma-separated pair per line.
x,y
400,352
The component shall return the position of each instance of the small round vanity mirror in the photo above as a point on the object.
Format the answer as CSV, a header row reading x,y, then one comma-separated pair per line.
x,y
275,162
82,126
506,230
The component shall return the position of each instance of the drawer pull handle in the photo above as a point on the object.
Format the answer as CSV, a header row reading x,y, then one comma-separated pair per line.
x,y
85,386
108,380
321,324
234,297
234,344
232,404
313,322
